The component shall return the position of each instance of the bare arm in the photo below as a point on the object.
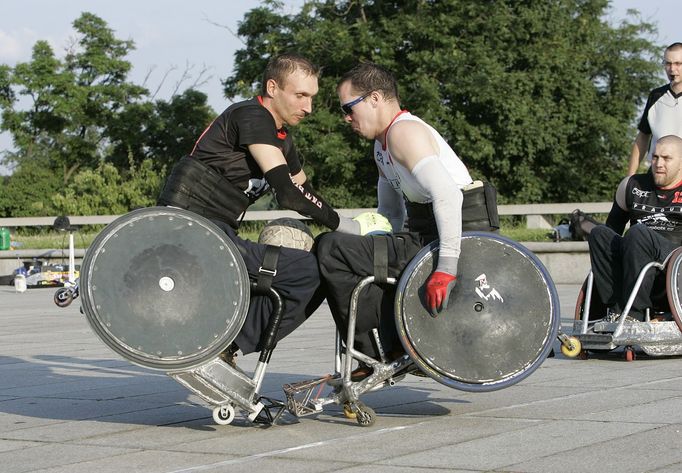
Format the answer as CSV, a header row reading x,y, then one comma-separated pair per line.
x,y
267,156
639,150
409,142
412,145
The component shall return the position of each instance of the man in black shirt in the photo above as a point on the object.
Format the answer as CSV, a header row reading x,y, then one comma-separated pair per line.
x,y
652,203
244,152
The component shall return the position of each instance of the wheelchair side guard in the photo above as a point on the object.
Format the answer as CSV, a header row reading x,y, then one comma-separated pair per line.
x,y
501,321
164,288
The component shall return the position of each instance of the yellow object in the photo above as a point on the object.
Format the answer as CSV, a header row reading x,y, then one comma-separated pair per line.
x,y
373,223
572,349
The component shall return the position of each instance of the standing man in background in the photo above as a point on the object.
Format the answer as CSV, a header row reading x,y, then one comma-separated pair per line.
x,y
663,111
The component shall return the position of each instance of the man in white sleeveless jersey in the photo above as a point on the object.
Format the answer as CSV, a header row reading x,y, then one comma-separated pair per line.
x,y
420,177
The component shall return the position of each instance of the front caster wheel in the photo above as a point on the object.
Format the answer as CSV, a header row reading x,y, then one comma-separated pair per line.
x,y
572,348
364,415
223,415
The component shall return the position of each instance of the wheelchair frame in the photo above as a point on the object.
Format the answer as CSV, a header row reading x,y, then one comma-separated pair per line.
x,y
655,338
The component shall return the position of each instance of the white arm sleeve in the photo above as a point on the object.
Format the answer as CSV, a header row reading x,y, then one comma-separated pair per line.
x,y
391,204
446,198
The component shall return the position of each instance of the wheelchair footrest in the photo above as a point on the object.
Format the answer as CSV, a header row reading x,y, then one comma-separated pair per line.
x,y
596,341
595,337
271,412
304,397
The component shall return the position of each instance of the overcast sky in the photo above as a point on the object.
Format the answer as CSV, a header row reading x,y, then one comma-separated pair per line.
x,y
171,35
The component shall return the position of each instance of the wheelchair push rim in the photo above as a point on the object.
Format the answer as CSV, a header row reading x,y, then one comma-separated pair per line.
x,y
501,321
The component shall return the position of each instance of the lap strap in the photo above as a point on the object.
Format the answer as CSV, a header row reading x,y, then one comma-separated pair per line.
x,y
267,270
380,259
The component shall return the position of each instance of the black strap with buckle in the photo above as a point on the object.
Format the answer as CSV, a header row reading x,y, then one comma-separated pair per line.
x,y
267,270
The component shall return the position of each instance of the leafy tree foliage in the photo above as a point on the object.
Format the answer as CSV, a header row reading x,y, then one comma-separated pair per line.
x,y
161,131
71,101
108,191
81,119
537,97
27,192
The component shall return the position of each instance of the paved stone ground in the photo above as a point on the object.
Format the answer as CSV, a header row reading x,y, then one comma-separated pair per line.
x,y
69,404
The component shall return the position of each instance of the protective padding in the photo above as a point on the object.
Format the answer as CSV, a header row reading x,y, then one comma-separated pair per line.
x,y
672,285
500,323
165,288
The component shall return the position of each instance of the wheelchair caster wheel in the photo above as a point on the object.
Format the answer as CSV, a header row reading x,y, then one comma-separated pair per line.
x,y
364,415
573,347
63,297
223,415
629,354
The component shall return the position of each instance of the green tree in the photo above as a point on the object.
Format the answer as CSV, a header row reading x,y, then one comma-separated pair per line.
x,y
72,101
538,97
108,190
27,192
179,122
81,116
160,131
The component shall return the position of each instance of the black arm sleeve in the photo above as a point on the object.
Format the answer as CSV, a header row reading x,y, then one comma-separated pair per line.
x,y
302,199
617,218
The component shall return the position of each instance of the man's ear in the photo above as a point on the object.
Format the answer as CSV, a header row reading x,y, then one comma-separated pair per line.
x,y
376,97
270,87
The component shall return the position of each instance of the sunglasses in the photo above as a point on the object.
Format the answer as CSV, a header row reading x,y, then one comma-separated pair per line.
x,y
347,108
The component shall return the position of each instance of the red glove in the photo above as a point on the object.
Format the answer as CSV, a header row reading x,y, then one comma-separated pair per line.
x,y
438,289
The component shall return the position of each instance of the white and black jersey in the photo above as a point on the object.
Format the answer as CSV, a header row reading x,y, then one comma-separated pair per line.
x,y
662,116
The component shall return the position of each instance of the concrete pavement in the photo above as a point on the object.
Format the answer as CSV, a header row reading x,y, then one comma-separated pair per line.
x,y
69,404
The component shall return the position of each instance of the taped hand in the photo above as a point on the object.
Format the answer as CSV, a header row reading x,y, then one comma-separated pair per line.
x,y
438,289
373,223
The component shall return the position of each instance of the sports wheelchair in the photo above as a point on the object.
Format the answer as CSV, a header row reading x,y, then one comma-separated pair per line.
x,y
149,295
659,334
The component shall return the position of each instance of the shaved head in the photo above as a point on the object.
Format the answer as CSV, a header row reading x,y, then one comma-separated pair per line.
x,y
666,162
672,141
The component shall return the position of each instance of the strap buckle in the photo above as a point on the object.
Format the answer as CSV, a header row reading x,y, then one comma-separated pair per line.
x,y
268,272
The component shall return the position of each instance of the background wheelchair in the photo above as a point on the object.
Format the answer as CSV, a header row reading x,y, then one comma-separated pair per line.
x,y
168,290
657,335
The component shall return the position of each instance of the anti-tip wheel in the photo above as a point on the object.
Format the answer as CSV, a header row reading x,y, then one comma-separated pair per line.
x,y
573,348
63,297
223,415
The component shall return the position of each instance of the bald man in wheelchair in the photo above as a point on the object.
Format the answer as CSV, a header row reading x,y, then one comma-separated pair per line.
x,y
652,204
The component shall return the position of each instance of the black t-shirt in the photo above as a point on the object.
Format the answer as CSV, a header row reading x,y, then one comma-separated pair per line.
x,y
223,146
657,208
